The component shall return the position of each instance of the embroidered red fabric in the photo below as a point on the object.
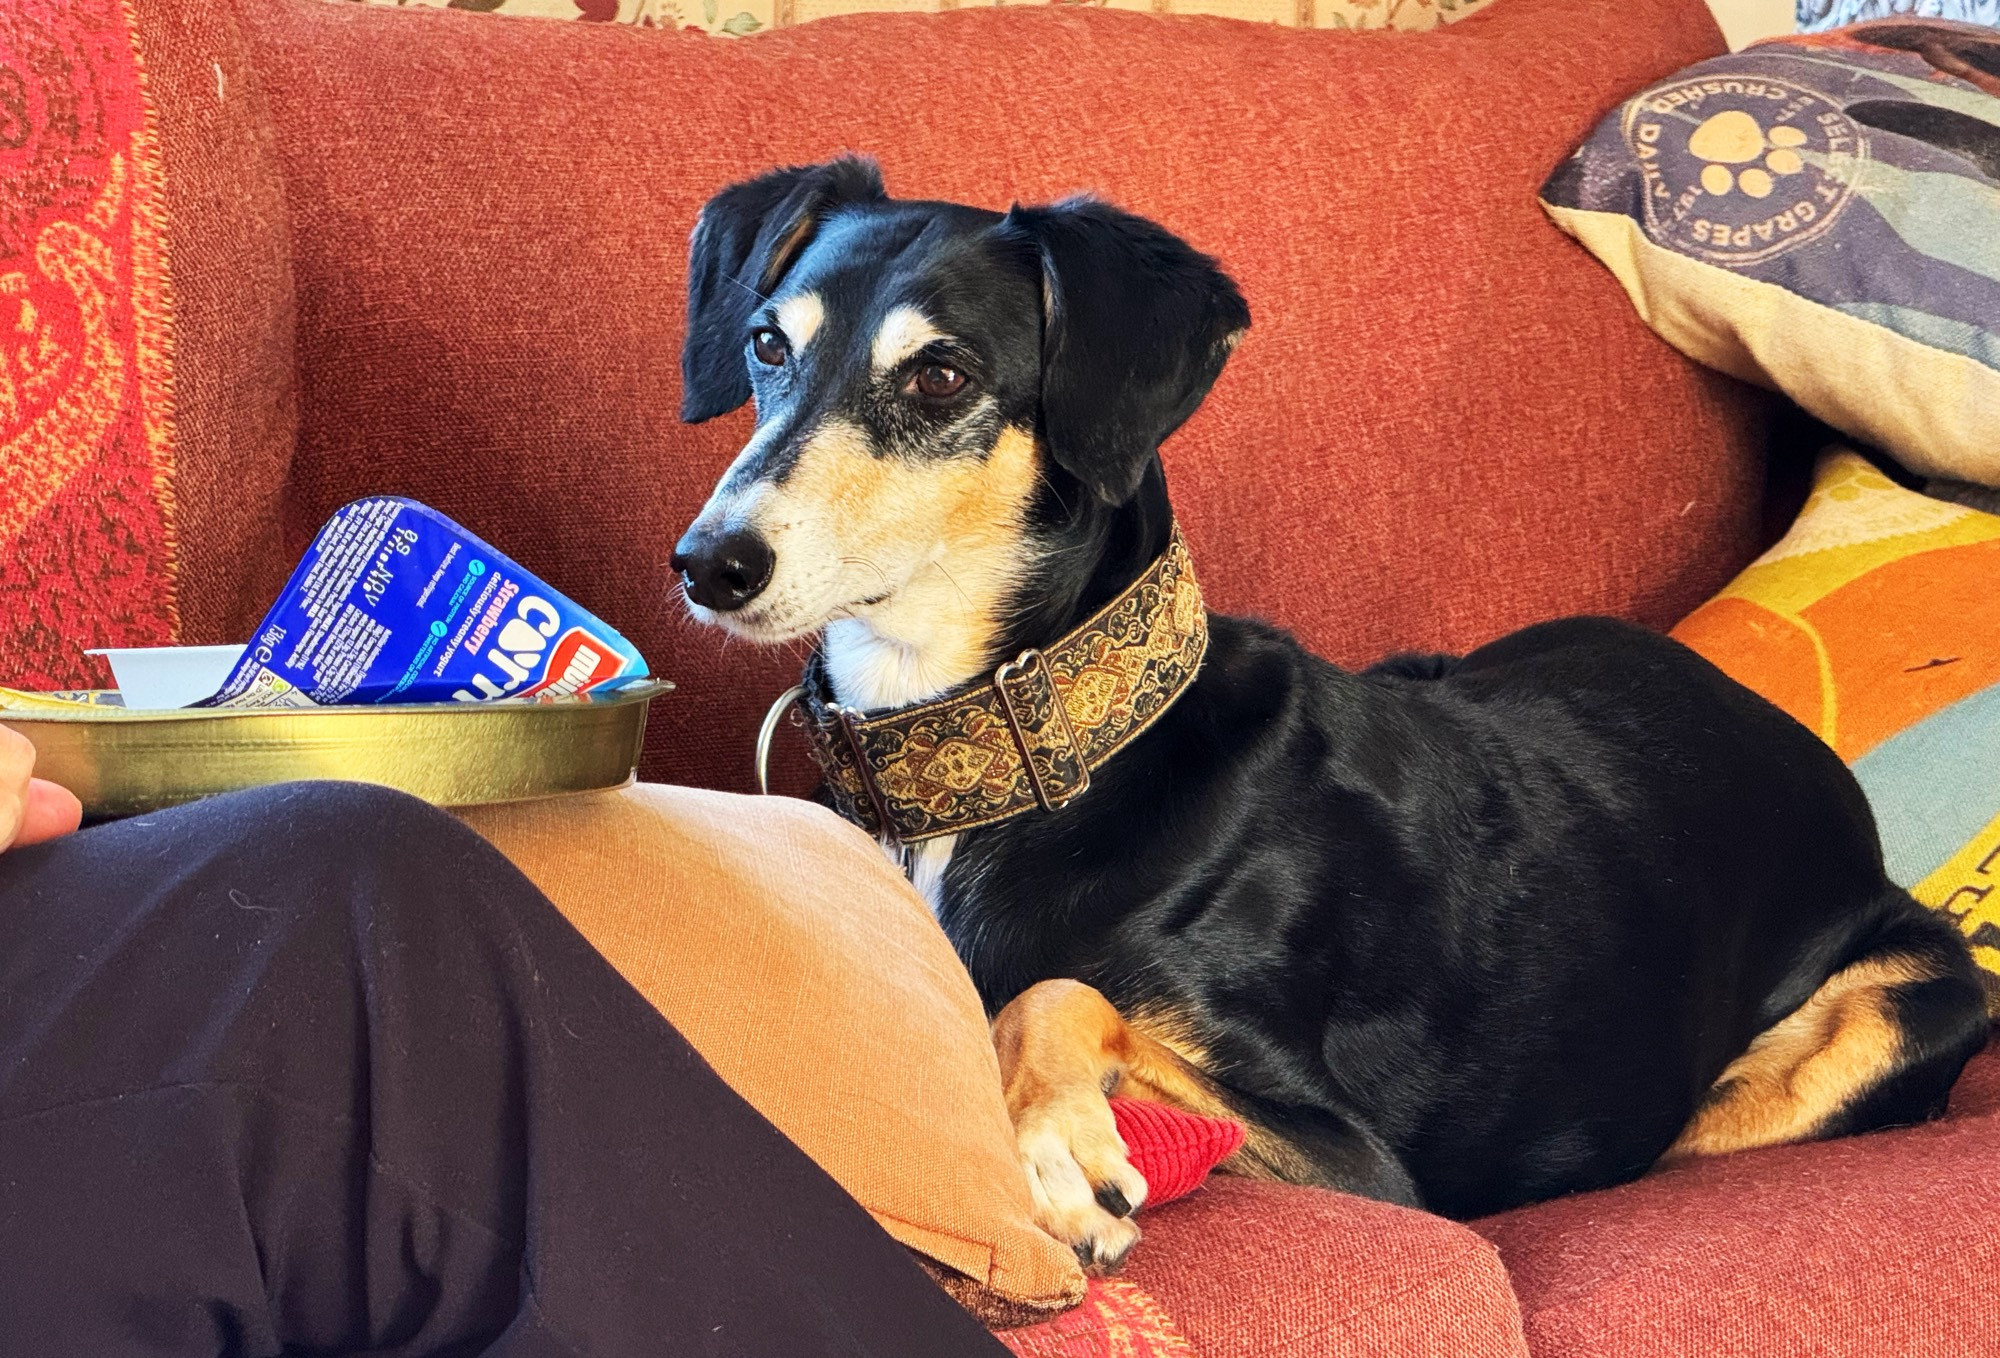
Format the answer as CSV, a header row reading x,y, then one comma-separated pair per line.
x,y
86,448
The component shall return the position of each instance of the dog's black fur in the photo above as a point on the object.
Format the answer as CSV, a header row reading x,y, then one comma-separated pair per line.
x,y
1466,932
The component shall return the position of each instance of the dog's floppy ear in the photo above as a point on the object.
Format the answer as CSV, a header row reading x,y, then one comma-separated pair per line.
x,y
1137,326
744,240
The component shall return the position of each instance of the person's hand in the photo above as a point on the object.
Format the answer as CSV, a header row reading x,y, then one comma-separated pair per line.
x,y
31,809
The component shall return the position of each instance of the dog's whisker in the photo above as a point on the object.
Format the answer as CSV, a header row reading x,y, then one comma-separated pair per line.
x,y
954,583
760,296
1042,475
880,575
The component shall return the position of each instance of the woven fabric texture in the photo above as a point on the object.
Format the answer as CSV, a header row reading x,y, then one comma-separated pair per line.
x,y
1117,1319
1875,1245
235,402
1173,1150
1444,423
1261,1270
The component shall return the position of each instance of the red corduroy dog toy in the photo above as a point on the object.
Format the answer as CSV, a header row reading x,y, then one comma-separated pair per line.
x,y
1173,1150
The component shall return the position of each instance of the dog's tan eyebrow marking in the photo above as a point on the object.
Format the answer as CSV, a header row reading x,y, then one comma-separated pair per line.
x,y
800,317
903,331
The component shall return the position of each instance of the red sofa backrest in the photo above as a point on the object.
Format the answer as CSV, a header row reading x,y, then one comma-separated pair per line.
x,y
1446,422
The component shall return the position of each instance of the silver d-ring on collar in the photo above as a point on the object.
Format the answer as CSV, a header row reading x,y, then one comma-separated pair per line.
x,y
770,729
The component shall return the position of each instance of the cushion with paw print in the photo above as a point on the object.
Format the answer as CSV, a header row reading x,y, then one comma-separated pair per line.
x,y
1820,214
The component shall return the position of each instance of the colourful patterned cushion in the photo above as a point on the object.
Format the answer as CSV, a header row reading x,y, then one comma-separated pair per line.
x,y
739,18
1876,622
1820,214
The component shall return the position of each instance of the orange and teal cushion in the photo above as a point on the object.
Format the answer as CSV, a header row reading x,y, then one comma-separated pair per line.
x,y
1876,622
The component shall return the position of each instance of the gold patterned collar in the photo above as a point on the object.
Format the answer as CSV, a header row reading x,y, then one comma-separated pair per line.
x,y
1028,736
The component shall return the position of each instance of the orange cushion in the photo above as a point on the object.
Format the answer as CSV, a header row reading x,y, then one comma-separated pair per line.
x,y
797,960
1876,622
1445,422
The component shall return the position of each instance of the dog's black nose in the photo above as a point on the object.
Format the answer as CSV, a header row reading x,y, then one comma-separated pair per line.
x,y
723,571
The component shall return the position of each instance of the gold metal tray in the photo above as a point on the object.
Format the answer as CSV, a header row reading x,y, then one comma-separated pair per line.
x,y
122,762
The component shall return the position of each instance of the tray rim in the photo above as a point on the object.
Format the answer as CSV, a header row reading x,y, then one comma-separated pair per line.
x,y
82,714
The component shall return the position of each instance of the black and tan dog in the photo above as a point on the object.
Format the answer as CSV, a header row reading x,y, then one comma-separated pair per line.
x,y
1459,932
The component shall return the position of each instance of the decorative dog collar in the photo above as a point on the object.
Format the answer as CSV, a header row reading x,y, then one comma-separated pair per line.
x,y
1027,737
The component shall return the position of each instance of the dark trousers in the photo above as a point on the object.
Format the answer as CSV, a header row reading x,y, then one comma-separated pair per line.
x,y
314,1069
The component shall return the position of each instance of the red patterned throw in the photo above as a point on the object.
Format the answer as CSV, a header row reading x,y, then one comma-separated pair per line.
x,y
86,448
1117,1319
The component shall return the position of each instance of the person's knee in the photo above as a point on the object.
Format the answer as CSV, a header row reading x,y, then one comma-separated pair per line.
x,y
314,835
309,817
337,811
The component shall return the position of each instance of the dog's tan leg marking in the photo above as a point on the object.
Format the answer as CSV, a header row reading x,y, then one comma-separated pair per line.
x,y
1064,1050
1805,1068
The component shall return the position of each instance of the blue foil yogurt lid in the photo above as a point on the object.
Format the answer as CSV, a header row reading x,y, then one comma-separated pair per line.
x,y
395,603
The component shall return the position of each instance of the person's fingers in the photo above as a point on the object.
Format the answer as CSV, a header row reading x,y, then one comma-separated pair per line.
x,y
50,812
17,762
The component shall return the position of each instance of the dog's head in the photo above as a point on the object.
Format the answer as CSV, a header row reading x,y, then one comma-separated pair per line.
x,y
931,381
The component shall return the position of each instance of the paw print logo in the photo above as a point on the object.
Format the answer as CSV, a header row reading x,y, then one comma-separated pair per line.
x,y
1733,137
1736,167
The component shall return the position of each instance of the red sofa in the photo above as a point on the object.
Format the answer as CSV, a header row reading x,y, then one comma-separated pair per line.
x,y
442,254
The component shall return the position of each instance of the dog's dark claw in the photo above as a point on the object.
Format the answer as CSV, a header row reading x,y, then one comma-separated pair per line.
x,y
1085,1255
1113,1200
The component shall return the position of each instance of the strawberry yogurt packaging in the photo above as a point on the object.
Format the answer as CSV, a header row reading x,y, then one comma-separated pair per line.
x,y
395,603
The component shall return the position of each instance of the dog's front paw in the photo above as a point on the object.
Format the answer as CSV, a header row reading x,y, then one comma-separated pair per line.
x,y
1084,1188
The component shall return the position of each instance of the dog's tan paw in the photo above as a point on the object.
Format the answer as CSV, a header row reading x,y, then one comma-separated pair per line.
x,y
1085,1190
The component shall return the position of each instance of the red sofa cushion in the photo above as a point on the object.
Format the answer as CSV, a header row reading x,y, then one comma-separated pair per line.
x,y
1883,1244
1446,420
1260,1270
229,258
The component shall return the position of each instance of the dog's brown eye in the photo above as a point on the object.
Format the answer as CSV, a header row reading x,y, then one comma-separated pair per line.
x,y
938,382
770,347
